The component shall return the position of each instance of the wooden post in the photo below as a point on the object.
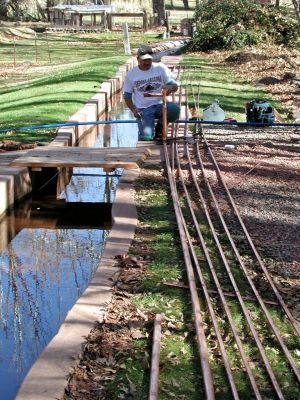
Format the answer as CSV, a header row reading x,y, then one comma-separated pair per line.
x,y
36,51
109,21
165,122
14,52
127,50
167,24
48,47
145,22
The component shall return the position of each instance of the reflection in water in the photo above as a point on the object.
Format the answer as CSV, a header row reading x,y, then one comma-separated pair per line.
x,y
43,271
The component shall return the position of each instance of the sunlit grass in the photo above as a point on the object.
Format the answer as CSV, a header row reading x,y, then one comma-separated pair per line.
x,y
206,81
45,92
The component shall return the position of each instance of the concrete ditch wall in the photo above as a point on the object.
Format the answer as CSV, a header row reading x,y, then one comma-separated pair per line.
x,y
15,183
63,351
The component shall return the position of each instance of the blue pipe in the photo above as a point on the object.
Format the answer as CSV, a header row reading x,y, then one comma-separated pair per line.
x,y
132,121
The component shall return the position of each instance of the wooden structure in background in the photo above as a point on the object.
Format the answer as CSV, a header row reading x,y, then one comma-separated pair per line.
x,y
99,16
72,15
113,15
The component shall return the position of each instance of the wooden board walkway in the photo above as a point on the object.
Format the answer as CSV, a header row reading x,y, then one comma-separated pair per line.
x,y
108,158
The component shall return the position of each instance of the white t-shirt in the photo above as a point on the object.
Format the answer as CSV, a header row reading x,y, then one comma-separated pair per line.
x,y
139,82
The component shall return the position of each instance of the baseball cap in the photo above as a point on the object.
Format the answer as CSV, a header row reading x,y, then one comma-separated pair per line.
x,y
145,52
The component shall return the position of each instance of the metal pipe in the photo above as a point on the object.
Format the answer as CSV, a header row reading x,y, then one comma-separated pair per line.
x,y
244,269
275,290
199,325
164,115
132,121
206,294
230,274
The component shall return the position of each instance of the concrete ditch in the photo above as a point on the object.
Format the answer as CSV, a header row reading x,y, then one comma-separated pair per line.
x,y
15,183
47,378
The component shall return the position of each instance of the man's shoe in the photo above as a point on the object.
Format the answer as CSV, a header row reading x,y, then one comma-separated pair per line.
x,y
146,138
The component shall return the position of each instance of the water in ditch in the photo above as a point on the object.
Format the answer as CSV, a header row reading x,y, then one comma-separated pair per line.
x,y
49,250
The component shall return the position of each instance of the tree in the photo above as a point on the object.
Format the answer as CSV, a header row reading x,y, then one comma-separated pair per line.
x,y
237,23
16,9
296,5
11,8
3,9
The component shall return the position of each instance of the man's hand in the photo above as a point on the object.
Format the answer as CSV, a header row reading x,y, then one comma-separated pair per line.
x,y
136,113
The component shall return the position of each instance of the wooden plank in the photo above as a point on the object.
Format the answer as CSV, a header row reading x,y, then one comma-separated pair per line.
x,y
107,158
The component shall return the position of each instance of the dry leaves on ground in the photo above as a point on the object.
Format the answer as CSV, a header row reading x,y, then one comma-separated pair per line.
x,y
275,67
110,343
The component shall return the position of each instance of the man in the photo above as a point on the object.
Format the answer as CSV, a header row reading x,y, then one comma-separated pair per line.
x,y
141,84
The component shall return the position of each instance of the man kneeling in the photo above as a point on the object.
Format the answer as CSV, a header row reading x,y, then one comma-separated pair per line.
x,y
141,85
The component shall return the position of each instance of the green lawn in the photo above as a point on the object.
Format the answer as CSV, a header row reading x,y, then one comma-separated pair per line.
x,y
38,91
56,74
206,80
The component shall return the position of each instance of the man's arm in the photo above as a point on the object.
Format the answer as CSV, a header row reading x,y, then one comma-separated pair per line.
x,y
171,87
129,103
169,79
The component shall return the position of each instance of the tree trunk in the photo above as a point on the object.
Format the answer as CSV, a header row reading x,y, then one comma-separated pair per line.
x,y
296,5
3,9
186,4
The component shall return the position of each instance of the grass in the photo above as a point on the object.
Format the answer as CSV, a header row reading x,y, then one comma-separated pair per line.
x,y
43,93
39,92
207,80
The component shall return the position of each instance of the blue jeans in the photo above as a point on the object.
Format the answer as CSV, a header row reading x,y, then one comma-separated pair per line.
x,y
146,123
